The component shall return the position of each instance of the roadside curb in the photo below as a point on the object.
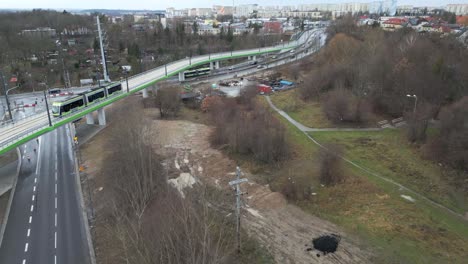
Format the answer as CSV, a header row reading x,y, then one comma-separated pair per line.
x,y
10,200
84,214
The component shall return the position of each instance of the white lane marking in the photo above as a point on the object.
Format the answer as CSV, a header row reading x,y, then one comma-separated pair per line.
x,y
38,165
35,180
55,188
30,219
55,175
24,152
55,240
29,232
34,197
55,219
24,261
34,188
55,259
32,207
55,202
26,247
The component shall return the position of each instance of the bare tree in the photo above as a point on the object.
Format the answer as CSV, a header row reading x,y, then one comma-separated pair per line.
x,y
451,144
168,101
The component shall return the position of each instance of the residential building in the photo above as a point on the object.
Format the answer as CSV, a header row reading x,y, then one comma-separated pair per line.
x,y
458,9
272,27
172,12
200,12
303,14
43,32
245,10
239,28
388,7
222,10
78,31
393,23
204,29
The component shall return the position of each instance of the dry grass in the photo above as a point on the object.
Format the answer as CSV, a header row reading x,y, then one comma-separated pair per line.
x,y
8,157
3,205
388,153
400,231
308,113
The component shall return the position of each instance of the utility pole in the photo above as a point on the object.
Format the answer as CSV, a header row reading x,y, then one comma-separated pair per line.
x,y
47,108
415,101
5,85
237,182
103,55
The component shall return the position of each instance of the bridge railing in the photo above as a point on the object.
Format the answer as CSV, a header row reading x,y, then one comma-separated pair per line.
x,y
141,81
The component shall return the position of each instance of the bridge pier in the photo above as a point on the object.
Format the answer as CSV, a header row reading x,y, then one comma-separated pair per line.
x,y
90,119
102,117
145,93
181,77
154,89
214,65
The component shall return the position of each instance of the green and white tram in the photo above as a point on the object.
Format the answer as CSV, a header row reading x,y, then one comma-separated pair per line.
x,y
72,104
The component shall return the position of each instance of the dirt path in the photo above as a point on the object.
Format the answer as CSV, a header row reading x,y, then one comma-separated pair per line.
x,y
283,229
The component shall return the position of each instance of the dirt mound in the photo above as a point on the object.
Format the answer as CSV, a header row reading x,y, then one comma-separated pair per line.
x,y
263,198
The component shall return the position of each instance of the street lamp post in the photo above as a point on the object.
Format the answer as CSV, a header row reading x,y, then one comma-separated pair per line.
x,y
415,101
126,80
6,94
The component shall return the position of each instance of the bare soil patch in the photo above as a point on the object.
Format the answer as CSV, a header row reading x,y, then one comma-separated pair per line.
x,y
283,229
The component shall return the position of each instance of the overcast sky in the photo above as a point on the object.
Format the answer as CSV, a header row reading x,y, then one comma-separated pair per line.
x,y
160,4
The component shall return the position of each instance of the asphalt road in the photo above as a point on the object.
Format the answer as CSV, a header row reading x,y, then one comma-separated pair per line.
x,y
45,225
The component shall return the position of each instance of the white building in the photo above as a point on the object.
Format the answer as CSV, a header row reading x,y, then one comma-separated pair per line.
x,y
222,10
245,10
458,9
172,12
386,6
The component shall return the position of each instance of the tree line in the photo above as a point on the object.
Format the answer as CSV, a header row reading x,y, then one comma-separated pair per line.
x,y
364,71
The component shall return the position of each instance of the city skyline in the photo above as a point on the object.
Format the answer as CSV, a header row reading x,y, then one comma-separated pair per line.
x,y
151,5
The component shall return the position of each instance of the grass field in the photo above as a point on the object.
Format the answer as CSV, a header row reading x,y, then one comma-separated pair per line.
x,y
8,157
398,230
309,114
388,153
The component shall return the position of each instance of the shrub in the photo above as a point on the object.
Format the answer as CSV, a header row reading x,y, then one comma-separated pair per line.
x,y
451,144
331,165
249,129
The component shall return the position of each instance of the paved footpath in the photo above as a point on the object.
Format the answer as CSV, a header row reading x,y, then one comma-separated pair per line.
x,y
401,187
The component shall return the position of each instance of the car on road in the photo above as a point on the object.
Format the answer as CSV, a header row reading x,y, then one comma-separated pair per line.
x,y
231,68
292,51
253,62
